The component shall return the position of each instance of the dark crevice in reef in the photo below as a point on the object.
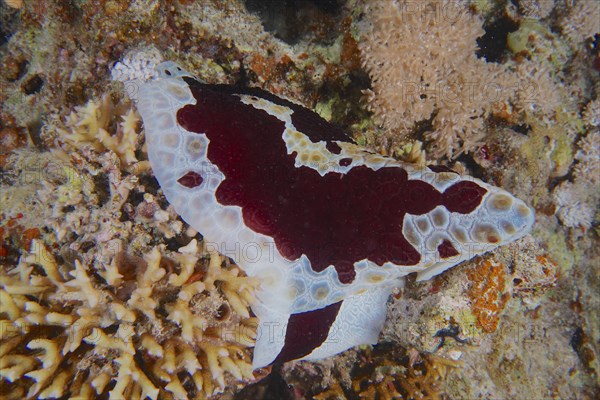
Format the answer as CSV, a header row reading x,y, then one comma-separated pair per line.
x,y
180,240
346,111
272,387
593,46
492,45
475,170
422,127
9,22
102,187
33,85
34,128
294,20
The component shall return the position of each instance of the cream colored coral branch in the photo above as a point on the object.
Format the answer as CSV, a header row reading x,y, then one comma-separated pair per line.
x,y
39,293
90,125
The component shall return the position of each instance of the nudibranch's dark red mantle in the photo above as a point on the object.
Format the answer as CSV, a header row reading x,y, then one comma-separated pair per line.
x,y
307,331
336,219
191,180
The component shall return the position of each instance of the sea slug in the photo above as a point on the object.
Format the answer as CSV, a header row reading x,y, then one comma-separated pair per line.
x,y
328,227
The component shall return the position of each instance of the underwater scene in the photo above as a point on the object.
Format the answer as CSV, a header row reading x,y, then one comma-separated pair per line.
x,y
299,199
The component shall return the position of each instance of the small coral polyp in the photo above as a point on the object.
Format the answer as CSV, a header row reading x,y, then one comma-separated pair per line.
x,y
334,227
112,332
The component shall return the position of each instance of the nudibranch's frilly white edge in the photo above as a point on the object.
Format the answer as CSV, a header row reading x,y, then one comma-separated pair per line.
x,y
290,287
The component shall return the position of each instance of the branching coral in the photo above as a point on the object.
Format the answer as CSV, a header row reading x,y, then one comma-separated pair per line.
x,y
174,328
104,125
86,194
91,317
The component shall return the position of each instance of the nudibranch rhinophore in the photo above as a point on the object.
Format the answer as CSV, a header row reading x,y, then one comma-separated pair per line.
x,y
328,227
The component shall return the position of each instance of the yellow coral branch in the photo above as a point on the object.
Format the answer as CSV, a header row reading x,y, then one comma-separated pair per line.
x,y
40,255
8,306
57,387
13,367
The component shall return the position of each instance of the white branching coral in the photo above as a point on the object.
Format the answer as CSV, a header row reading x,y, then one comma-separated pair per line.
x,y
140,328
441,79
